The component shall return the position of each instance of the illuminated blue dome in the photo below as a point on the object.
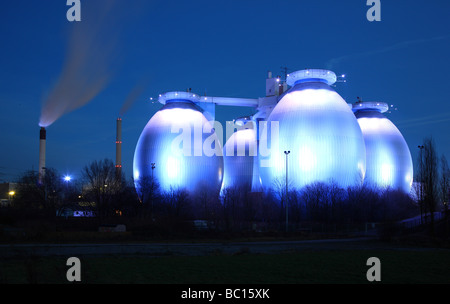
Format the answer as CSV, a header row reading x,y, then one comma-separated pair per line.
x,y
388,158
240,157
176,140
319,129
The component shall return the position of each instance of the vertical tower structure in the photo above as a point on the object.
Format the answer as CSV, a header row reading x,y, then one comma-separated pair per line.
x,y
42,142
119,148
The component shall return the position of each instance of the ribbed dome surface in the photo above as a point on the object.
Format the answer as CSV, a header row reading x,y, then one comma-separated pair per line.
x,y
173,140
388,159
322,134
240,159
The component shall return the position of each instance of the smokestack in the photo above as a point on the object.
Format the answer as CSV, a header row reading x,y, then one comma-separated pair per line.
x,y
119,148
42,140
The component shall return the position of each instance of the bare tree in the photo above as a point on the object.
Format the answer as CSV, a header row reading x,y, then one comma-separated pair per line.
x,y
206,202
336,199
231,206
278,190
47,196
249,207
177,203
148,191
315,197
430,179
445,182
419,185
445,189
268,209
101,185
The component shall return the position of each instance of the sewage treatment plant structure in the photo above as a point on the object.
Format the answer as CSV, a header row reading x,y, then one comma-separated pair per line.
x,y
307,131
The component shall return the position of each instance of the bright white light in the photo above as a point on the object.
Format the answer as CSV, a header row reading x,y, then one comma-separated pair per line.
x,y
173,166
409,179
362,169
307,159
67,178
386,175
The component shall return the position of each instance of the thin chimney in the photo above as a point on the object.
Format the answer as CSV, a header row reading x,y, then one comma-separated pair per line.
x,y
42,141
119,148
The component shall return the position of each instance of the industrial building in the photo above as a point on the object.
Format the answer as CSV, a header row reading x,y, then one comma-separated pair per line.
x,y
301,135
388,159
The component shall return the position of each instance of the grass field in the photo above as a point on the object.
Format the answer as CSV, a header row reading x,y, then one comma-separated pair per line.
x,y
316,267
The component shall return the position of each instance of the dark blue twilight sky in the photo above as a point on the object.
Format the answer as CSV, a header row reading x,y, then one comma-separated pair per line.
x,y
221,48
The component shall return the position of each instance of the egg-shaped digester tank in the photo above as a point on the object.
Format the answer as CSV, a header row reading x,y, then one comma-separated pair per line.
x,y
388,158
240,157
173,148
320,132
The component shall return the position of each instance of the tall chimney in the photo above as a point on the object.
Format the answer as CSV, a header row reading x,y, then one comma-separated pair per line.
x,y
119,148
42,140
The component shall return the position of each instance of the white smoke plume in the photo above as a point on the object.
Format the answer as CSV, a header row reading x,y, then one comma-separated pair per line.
x,y
134,94
88,65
